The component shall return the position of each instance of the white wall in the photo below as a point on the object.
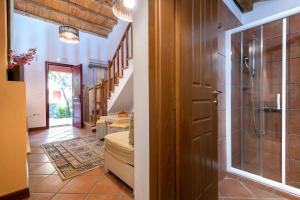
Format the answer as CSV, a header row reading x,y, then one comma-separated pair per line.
x,y
34,33
234,9
141,101
122,97
269,8
115,37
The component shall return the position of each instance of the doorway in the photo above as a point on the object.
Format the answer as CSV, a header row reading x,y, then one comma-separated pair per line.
x,y
63,95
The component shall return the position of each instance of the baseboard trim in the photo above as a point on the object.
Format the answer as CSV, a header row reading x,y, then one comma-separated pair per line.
x,y
18,195
37,129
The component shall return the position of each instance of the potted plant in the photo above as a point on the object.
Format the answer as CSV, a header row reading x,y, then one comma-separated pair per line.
x,y
16,63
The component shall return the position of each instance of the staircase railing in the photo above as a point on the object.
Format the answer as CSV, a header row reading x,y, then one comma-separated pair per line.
x,y
116,67
120,60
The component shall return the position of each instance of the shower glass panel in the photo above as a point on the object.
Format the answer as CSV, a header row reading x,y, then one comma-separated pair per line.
x,y
256,87
263,100
293,104
272,101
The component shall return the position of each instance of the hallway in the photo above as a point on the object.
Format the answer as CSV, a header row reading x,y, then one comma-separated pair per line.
x,y
45,183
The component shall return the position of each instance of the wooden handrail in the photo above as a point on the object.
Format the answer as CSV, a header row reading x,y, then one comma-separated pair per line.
x,y
120,60
116,67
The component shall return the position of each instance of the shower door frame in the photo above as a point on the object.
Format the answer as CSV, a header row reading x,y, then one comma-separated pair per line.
x,y
279,185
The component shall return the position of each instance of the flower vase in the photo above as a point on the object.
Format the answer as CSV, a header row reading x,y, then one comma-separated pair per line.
x,y
15,74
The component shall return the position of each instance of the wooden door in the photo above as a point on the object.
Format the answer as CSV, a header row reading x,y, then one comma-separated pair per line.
x,y
197,159
77,96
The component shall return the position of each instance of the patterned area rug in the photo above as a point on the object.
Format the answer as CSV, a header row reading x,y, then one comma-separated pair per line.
x,y
75,156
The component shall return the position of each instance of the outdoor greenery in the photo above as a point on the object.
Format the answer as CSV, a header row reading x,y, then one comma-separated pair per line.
x,y
63,112
64,80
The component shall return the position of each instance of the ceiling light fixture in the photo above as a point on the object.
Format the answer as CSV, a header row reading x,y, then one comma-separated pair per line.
x,y
122,9
129,3
67,33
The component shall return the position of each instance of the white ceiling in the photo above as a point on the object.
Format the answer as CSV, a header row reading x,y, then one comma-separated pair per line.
x,y
262,9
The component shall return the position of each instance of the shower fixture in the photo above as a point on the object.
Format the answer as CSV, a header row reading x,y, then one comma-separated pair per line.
x,y
249,63
250,69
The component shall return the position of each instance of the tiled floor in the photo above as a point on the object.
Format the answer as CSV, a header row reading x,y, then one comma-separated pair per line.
x,y
60,122
231,188
45,183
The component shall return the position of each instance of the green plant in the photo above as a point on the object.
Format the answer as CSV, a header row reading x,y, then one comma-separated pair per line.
x,y
63,112
64,80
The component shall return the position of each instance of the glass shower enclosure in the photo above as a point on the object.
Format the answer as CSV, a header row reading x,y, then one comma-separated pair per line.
x,y
263,101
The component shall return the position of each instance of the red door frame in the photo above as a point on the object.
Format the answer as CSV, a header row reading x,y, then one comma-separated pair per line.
x,y
47,64
81,98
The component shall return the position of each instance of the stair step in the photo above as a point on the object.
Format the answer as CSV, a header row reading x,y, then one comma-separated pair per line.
x,y
90,126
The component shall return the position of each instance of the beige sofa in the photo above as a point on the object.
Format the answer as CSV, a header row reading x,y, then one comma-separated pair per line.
x,y
118,156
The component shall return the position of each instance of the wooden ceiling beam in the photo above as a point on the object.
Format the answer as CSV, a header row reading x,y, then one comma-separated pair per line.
x,y
246,5
107,2
32,9
75,12
95,8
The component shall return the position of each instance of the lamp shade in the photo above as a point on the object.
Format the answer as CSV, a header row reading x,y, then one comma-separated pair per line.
x,y
69,34
121,11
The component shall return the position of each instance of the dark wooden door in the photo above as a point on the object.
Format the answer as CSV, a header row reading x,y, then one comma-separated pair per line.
x,y
197,171
77,96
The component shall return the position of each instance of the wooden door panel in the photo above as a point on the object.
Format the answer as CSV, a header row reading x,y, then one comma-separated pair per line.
x,y
77,96
201,110
198,165
201,126
200,92
196,43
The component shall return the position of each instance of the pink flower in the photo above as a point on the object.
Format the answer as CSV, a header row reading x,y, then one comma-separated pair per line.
x,y
15,60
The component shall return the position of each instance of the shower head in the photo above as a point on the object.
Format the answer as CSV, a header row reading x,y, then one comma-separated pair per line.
x,y
251,70
246,62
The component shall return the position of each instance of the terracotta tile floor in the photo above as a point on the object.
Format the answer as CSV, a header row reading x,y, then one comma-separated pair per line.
x,y
44,183
231,188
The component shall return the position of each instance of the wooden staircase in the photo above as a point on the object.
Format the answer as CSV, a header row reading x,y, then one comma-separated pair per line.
x,y
120,60
116,67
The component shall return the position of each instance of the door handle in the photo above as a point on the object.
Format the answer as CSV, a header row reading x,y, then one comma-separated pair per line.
x,y
278,101
216,92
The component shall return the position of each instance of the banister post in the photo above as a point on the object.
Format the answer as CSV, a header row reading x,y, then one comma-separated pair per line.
x,y
109,77
114,72
122,60
127,49
118,65
131,38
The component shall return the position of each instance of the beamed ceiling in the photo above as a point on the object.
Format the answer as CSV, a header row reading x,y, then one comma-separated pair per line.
x,y
246,5
92,16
